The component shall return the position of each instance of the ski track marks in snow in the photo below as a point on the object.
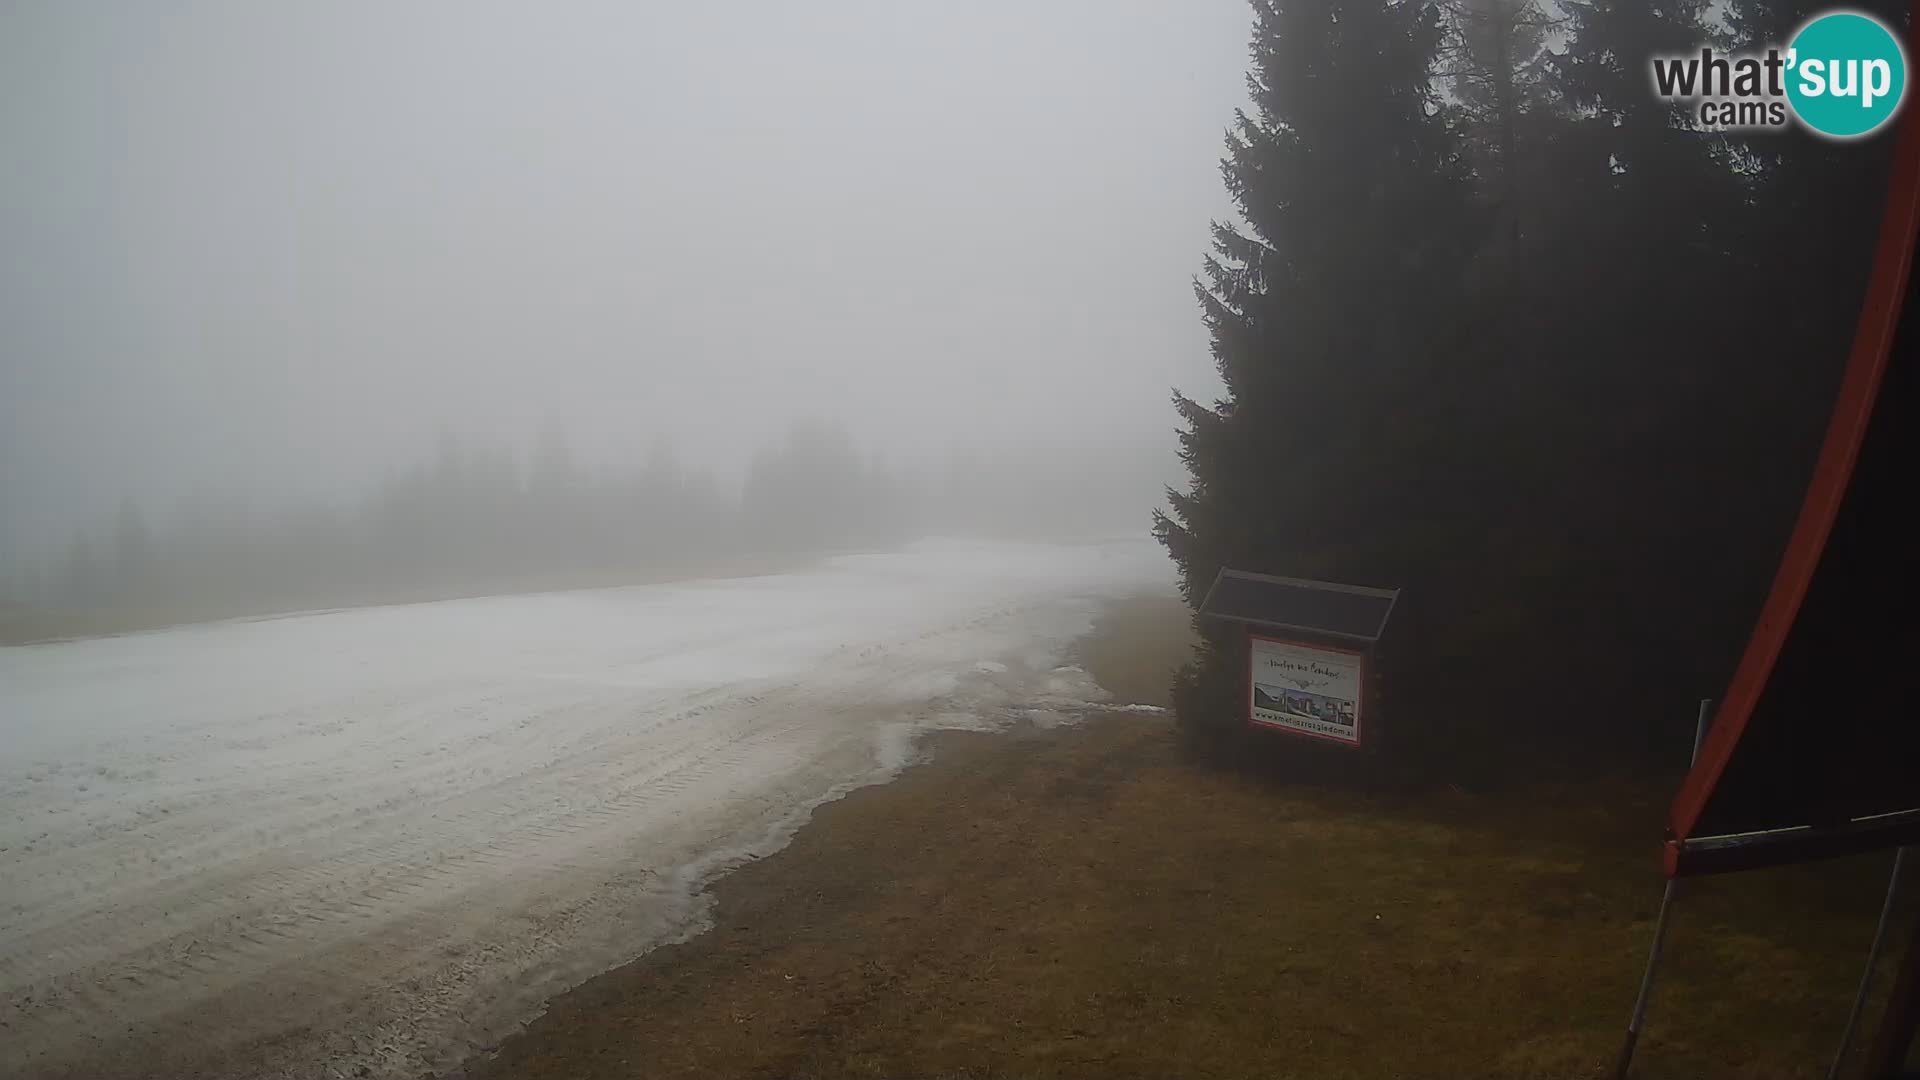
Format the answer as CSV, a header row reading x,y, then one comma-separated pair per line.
x,y
378,839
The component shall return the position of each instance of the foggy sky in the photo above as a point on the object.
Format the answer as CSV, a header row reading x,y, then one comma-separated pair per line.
x,y
274,248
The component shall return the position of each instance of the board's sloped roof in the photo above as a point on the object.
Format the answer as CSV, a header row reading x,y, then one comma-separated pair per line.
x,y
1353,612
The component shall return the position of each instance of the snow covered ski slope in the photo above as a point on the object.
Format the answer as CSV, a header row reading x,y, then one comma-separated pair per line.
x,y
377,839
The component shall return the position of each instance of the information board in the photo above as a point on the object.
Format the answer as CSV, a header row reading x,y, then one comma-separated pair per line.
x,y
1310,690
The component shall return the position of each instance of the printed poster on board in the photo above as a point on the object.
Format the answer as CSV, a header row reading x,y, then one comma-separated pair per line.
x,y
1311,689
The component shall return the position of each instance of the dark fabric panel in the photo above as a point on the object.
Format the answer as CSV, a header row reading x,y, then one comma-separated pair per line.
x,y
1836,733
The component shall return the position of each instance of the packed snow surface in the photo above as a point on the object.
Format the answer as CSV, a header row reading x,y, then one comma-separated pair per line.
x,y
367,842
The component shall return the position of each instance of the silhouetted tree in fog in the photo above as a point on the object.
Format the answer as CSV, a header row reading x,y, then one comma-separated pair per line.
x,y
132,551
814,491
81,584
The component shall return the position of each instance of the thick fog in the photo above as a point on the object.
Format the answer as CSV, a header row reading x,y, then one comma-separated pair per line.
x,y
280,259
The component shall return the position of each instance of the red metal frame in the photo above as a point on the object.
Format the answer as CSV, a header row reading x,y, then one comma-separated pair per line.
x,y
1359,705
1873,339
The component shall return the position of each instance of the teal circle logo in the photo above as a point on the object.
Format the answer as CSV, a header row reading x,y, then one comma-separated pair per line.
x,y
1847,74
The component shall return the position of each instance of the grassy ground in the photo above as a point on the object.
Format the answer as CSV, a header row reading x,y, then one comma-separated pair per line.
x,y
1087,903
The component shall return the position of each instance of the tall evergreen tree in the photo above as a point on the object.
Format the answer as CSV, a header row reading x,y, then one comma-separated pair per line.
x,y
1818,203
1330,313
1692,359
1493,64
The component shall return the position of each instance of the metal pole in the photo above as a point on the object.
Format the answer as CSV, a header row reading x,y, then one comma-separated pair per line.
x,y
1873,958
1625,1060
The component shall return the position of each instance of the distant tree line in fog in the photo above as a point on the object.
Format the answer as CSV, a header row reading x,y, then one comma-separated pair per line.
x,y
477,517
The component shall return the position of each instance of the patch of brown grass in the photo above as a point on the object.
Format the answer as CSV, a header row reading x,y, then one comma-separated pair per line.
x,y
1086,903
1136,645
